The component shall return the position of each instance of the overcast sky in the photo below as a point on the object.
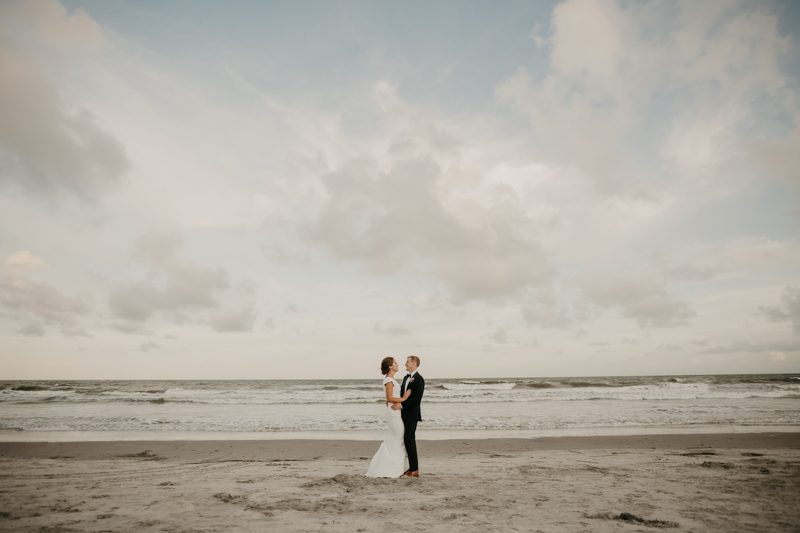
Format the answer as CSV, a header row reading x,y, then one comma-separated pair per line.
x,y
298,189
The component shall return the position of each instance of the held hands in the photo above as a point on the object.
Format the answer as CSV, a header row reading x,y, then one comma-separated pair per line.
x,y
396,406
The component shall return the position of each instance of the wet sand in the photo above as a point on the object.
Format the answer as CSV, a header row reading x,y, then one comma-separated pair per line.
x,y
714,482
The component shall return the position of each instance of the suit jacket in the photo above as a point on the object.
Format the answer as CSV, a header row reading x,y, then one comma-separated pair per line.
x,y
410,409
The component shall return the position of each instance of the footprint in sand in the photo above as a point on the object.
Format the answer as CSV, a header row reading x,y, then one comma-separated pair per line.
x,y
170,507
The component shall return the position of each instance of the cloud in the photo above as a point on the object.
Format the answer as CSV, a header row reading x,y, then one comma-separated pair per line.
x,y
392,331
499,335
406,218
32,329
741,256
175,288
544,312
75,332
781,156
691,273
669,347
411,201
147,346
130,328
641,90
787,311
230,321
22,260
26,298
47,146
778,357
134,300
746,346
637,296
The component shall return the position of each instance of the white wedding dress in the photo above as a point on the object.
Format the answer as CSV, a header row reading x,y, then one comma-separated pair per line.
x,y
390,461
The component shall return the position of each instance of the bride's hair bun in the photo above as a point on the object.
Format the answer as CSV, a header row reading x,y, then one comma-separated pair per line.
x,y
386,364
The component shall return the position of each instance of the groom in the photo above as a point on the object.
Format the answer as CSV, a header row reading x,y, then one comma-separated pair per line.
x,y
410,412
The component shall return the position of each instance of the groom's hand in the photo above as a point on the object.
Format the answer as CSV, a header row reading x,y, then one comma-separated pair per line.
x,y
396,406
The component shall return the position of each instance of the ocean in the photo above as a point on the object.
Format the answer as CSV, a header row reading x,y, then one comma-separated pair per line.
x,y
321,408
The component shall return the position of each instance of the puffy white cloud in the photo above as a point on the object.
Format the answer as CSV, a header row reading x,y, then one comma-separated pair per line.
x,y
32,329
778,357
668,347
638,296
129,327
22,260
787,311
406,218
147,346
23,297
392,331
412,200
134,300
499,335
175,289
75,332
636,92
49,147
545,313
231,321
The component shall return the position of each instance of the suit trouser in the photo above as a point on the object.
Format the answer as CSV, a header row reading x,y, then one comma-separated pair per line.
x,y
410,440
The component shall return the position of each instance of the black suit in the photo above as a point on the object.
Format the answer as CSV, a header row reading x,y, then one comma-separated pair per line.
x,y
411,415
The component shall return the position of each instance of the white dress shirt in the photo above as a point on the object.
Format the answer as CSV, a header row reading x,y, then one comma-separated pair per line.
x,y
408,381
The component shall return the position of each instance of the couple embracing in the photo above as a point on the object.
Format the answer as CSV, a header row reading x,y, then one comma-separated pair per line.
x,y
402,415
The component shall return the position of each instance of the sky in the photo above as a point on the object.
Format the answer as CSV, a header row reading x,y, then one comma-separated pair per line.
x,y
295,190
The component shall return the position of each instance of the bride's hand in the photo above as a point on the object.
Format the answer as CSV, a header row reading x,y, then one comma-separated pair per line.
x,y
407,394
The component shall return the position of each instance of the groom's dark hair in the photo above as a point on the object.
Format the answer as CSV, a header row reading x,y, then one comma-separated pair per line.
x,y
415,359
385,364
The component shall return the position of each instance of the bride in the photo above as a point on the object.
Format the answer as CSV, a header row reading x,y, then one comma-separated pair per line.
x,y
390,461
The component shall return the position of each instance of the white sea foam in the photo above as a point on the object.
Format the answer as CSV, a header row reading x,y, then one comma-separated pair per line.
x,y
511,404
446,393
477,386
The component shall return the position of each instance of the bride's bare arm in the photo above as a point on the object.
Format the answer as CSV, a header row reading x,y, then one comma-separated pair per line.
x,y
392,399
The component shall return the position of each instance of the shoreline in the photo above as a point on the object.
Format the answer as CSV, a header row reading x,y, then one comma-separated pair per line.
x,y
315,449
8,436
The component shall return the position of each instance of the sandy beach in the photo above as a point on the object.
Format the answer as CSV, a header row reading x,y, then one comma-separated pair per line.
x,y
701,482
